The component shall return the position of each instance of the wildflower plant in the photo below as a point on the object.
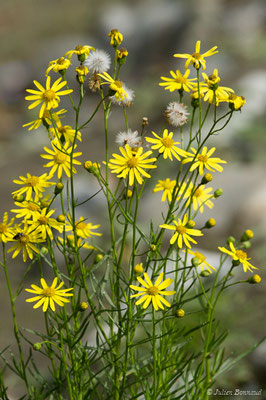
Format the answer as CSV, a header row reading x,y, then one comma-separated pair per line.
x,y
109,332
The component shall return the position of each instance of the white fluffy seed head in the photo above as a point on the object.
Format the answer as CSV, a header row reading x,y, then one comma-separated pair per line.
x,y
176,114
98,61
131,138
127,100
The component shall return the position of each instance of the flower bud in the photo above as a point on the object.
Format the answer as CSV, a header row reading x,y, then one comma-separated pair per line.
x,y
18,197
116,37
92,168
138,268
128,194
230,239
145,121
121,55
210,223
254,279
195,261
61,218
247,235
37,346
206,179
205,273
98,258
83,306
153,247
58,188
190,224
44,251
81,71
44,204
235,263
180,313
218,193
246,244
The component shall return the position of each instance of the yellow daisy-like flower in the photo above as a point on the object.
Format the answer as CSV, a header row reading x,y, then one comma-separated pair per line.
x,y
48,295
197,59
33,185
85,229
182,233
26,239
236,102
82,52
116,37
6,232
212,91
43,223
178,81
202,260
152,292
60,156
27,209
116,86
199,197
49,96
167,186
46,119
238,256
60,64
204,160
132,164
166,145
64,132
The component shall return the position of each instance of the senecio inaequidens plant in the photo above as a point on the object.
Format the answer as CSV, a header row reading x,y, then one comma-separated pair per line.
x,y
115,310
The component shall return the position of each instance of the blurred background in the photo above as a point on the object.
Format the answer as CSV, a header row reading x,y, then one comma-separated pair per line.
x,y
35,32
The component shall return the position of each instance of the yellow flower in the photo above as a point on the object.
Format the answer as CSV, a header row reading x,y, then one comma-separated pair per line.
x,y
48,295
85,229
46,119
212,91
202,260
42,223
60,64
82,52
25,239
138,268
116,37
198,196
70,242
167,186
236,102
116,86
238,256
152,292
197,59
27,209
132,164
50,96
64,132
6,232
182,232
166,145
33,184
60,156
178,82
204,160
82,71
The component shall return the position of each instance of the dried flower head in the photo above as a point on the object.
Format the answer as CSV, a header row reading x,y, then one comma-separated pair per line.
x,y
176,114
129,137
98,61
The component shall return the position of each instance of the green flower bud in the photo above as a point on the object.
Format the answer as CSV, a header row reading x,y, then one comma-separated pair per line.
x,y
210,223
98,258
83,306
18,197
205,273
180,313
43,251
153,247
37,346
61,218
231,239
206,179
254,279
247,235
218,193
195,261
58,188
246,244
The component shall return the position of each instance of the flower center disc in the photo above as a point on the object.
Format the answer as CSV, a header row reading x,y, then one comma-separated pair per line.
x,y
3,228
49,95
24,238
132,162
43,220
49,292
197,56
181,229
152,291
60,158
202,158
32,181
167,142
81,225
241,255
198,193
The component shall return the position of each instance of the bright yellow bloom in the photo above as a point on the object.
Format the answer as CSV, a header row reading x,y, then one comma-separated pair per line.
x,y
198,196
166,145
182,232
116,86
82,71
26,239
116,37
82,52
239,256
236,102
138,268
48,295
27,209
43,223
204,160
6,232
178,82
132,164
64,132
60,64
202,260
50,96
60,156
85,229
212,91
197,59
45,119
152,292
33,185
70,242
167,186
